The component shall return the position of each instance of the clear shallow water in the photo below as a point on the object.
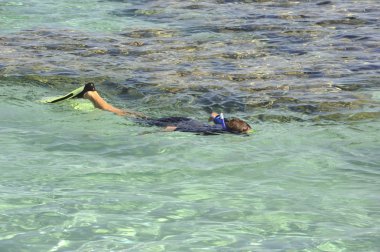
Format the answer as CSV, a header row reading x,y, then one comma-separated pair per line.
x,y
78,179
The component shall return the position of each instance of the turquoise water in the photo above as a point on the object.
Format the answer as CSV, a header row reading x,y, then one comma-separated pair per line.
x,y
304,74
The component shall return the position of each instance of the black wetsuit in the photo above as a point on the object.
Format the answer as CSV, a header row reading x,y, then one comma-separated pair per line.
x,y
185,124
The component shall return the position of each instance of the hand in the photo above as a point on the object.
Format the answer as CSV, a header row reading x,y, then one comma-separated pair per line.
x,y
170,128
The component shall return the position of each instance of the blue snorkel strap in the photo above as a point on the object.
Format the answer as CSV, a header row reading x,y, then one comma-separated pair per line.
x,y
219,119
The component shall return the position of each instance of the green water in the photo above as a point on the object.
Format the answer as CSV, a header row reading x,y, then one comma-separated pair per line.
x,y
74,178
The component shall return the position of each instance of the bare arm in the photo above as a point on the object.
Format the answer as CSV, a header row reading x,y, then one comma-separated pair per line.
x,y
100,103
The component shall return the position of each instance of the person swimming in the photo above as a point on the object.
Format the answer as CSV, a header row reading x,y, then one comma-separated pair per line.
x,y
184,124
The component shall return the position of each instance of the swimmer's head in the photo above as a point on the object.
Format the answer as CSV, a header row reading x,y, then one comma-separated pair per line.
x,y
238,126
235,125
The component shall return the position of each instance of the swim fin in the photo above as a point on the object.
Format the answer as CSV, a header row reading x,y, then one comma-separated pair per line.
x,y
77,93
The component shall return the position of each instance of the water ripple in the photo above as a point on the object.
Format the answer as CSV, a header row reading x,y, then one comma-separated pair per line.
x,y
305,73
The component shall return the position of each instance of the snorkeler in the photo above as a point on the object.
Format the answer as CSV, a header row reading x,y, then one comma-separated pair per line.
x,y
184,124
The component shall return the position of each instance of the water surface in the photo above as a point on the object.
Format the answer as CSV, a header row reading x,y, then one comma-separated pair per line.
x,y
304,74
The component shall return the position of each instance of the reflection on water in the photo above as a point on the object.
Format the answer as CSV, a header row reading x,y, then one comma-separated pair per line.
x,y
305,74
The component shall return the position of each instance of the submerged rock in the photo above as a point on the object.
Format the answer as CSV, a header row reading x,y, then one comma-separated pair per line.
x,y
345,21
278,118
344,117
304,108
324,3
150,33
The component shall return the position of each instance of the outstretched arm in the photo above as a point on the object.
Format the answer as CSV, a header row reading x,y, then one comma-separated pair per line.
x,y
100,103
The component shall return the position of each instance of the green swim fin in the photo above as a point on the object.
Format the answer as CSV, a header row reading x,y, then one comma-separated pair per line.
x,y
77,93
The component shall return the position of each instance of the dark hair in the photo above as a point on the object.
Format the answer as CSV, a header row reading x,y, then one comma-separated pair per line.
x,y
237,125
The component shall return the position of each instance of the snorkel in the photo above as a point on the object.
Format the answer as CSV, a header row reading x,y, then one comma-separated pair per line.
x,y
219,119
223,122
